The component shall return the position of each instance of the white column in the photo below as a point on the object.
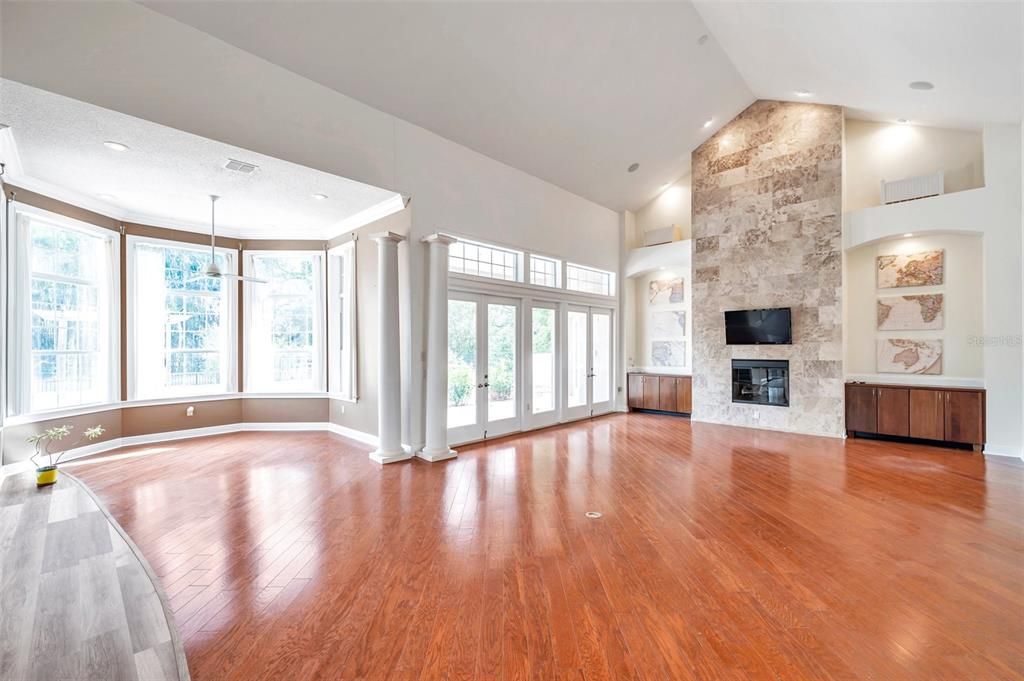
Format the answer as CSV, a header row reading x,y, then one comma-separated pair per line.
x,y
436,448
389,376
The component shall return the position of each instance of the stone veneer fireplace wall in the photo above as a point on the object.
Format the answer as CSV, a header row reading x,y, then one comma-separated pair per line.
x,y
767,230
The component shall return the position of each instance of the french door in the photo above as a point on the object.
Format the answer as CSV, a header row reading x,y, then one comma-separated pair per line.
x,y
588,362
484,394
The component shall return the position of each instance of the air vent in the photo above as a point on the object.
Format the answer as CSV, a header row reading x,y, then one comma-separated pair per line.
x,y
241,166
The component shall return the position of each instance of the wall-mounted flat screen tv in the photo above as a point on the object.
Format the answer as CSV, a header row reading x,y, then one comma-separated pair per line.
x,y
759,327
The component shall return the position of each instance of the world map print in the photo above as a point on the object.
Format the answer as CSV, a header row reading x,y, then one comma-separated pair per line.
x,y
669,324
908,356
665,291
903,313
668,353
915,269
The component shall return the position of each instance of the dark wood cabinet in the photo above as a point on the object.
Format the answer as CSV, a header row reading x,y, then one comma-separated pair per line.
x,y
659,392
925,412
861,408
684,394
893,411
965,417
635,391
652,392
928,414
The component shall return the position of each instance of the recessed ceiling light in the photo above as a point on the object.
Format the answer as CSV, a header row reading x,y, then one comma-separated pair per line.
x,y
803,93
922,85
902,121
908,235
106,197
633,168
320,197
708,122
115,146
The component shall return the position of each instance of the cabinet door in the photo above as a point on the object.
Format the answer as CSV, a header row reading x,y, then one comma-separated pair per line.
x,y
928,414
684,395
635,391
893,411
861,408
965,416
652,388
667,393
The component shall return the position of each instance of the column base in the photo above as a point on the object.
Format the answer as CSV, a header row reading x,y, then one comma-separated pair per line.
x,y
382,457
433,455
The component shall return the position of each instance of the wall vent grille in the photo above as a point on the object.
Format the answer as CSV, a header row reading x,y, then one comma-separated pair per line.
x,y
241,166
912,188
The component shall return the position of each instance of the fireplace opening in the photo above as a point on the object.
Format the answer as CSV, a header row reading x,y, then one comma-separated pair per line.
x,y
761,381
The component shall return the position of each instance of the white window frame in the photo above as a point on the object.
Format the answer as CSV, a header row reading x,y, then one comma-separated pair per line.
x,y
611,279
343,365
530,257
19,359
319,288
231,260
518,271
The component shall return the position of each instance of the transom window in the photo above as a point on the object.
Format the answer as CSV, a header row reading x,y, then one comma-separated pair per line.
x,y
543,271
588,280
63,316
181,321
467,257
284,336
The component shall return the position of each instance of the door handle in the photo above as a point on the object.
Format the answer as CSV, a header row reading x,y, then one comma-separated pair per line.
x,y
479,385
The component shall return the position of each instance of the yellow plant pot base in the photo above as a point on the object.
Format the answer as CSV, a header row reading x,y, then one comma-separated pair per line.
x,y
46,477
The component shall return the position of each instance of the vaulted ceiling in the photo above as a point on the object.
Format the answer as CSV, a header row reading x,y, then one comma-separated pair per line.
x,y
572,93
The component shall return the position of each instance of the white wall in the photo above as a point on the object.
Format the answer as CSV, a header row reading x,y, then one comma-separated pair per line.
x,y
670,207
994,212
963,287
889,151
643,329
177,76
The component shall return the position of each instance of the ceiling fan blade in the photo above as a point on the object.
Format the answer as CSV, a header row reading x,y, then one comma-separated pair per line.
x,y
240,277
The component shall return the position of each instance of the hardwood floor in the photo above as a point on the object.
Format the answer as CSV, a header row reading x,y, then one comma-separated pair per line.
x,y
721,553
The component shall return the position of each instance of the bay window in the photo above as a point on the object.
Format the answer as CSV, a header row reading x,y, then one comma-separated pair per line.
x,y
64,313
284,322
181,323
341,321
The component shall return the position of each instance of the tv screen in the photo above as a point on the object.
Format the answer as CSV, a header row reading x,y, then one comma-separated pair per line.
x,y
758,327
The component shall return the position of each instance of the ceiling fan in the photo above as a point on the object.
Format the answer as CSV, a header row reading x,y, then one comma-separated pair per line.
x,y
213,269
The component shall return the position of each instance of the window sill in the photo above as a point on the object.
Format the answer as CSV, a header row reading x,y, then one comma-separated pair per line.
x,y
130,404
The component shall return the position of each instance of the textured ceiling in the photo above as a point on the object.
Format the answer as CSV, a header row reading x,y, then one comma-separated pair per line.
x,y
166,175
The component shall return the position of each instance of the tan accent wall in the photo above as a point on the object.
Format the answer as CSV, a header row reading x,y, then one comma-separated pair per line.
x,y
165,418
15,448
291,410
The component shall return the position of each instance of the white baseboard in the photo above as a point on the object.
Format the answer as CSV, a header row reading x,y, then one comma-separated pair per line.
x,y
169,436
997,450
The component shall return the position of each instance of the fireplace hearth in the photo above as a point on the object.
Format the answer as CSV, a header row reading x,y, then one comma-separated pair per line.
x,y
761,381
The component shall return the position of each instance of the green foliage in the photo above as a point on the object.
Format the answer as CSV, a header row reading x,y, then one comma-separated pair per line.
x,y
43,440
460,382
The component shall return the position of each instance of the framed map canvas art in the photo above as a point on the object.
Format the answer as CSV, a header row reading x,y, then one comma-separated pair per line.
x,y
907,313
909,356
914,269
665,291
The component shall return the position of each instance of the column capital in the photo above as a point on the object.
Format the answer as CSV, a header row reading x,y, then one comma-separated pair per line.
x,y
440,239
393,237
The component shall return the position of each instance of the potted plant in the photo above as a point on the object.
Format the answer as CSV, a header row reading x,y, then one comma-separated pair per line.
x,y
44,441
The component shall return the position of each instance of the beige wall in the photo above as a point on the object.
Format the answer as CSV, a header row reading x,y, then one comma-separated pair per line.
x,y
890,151
670,207
962,293
767,233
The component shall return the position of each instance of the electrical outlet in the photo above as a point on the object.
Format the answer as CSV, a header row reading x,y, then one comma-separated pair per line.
x,y
757,415
191,411
343,409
